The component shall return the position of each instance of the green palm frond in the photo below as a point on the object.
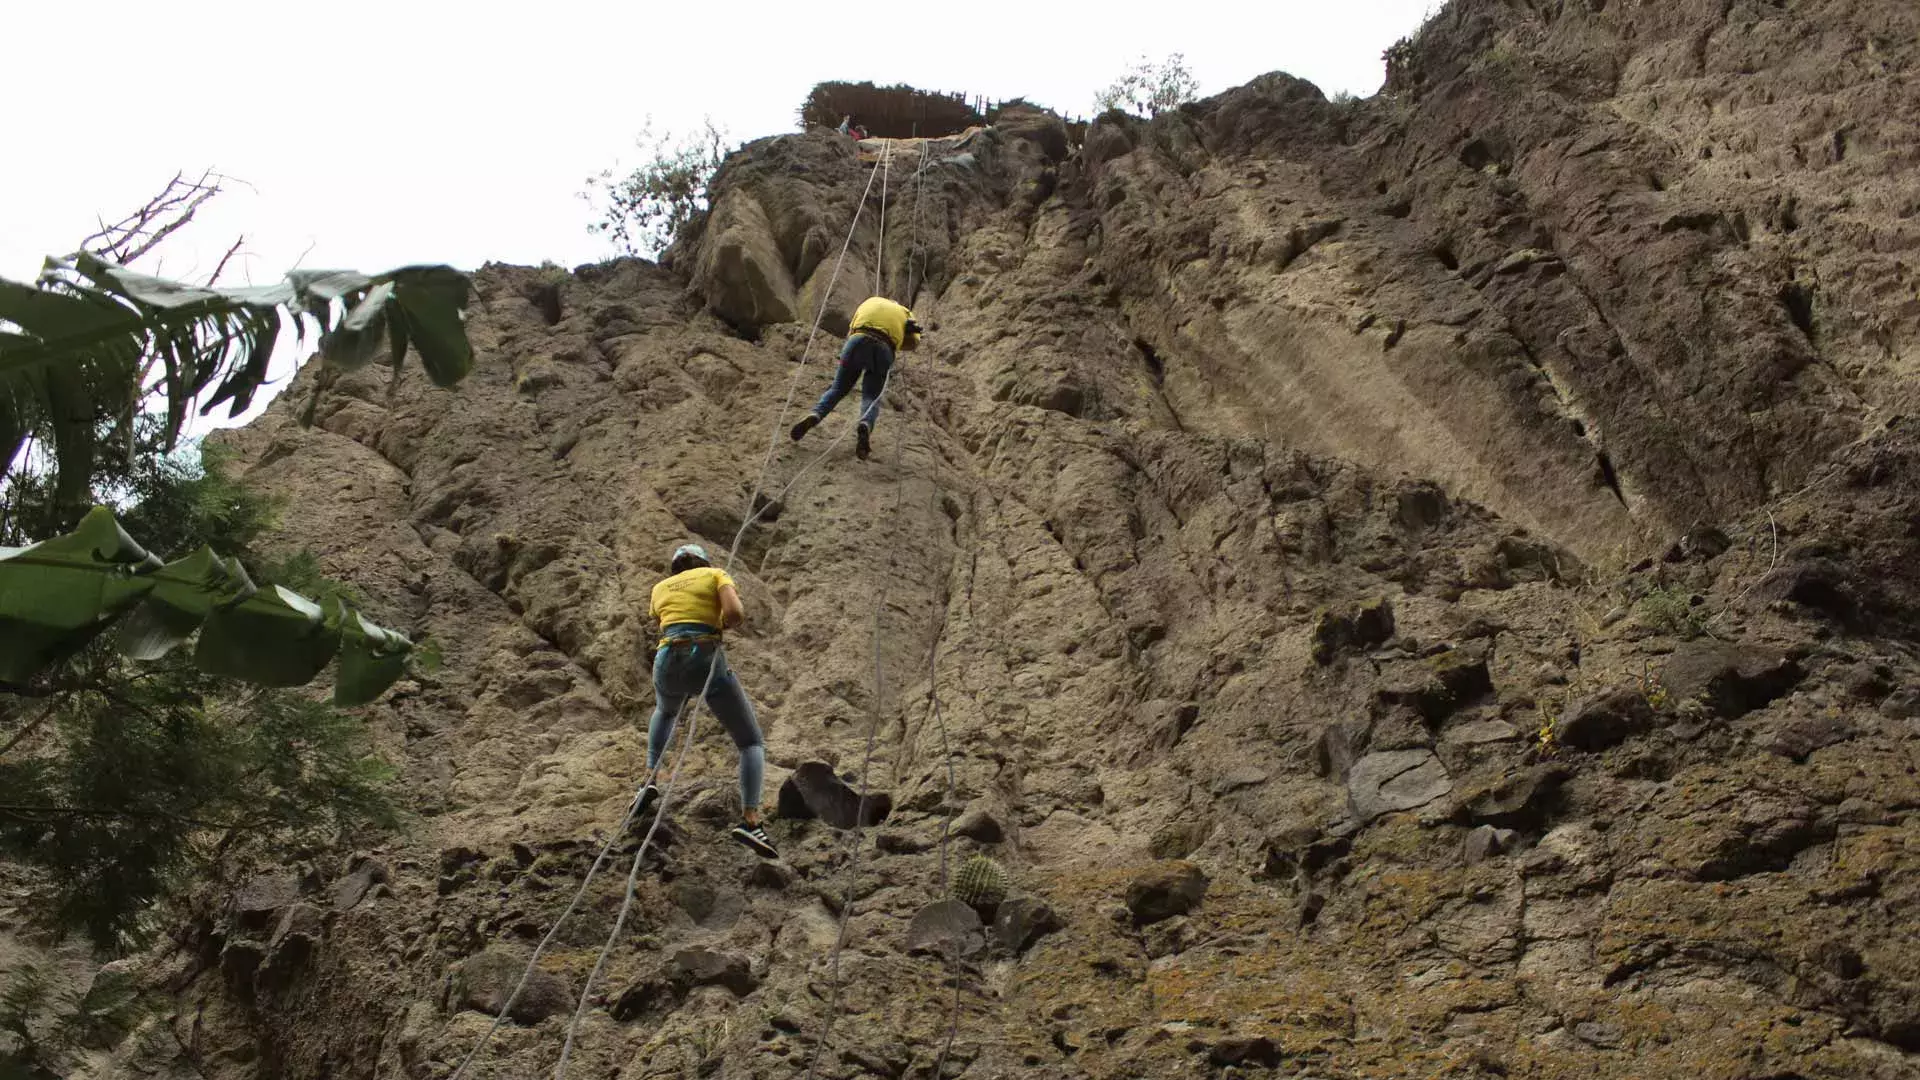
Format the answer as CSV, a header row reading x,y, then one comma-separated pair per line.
x,y
76,346
59,595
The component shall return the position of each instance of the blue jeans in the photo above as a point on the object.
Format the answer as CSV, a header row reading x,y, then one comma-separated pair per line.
x,y
863,354
678,673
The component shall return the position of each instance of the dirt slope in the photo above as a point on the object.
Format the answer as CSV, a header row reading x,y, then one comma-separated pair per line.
x,y
1470,530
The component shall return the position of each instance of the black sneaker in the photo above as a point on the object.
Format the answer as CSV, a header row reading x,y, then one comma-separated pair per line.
x,y
807,423
643,801
755,838
862,444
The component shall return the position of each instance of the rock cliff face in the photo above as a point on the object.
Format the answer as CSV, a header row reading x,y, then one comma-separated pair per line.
x,y
1414,587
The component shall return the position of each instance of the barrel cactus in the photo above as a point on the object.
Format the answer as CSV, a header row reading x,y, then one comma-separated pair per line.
x,y
980,883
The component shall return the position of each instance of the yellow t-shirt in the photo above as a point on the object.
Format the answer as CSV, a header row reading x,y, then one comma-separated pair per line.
x,y
883,315
691,596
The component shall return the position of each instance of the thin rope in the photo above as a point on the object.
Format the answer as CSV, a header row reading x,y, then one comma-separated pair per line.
x,y
692,704
880,260
753,512
915,249
857,836
598,861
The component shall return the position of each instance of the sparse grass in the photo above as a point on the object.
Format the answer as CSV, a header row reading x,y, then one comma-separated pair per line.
x,y
1674,612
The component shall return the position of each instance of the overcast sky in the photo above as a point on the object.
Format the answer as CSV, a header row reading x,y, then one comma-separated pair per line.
x,y
374,135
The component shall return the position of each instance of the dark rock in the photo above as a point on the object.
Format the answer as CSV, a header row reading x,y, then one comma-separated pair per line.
x,y
902,843
1334,753
1311,904
457,858
350,890
1605,719
1593,1033
1801,736
239,960
1245,1050
1180,838
258,904
813,790
1438,687
1304,851
1235,779
946,927
641,997
1396,780
769,875
1821,586
1368,625
980,825
700,966
1732,680
1485,841
1023,920
293,944
1870,683
483,982
1522,800
1168,889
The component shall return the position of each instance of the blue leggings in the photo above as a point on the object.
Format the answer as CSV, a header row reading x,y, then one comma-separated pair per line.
x,y
864,359
678,673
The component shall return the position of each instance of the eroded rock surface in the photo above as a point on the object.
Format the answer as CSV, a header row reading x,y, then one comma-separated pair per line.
x,y
1597,306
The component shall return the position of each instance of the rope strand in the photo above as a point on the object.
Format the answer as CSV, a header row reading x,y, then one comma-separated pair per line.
x,y
689,713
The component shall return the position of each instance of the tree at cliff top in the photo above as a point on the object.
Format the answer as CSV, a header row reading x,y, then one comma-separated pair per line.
x,y
642,212
1149,89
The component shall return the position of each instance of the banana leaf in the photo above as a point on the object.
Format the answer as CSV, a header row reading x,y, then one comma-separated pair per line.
x,y
57,596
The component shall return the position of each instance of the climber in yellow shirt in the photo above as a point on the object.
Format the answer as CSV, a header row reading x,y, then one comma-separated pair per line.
x,y
880,327
692,607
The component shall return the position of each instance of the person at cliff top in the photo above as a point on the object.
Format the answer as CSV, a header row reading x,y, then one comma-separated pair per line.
x,y
692,607
880,327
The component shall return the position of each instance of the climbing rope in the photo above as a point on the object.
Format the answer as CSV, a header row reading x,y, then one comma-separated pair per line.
x,y
753,511
689,712
916,250
880,260
856,838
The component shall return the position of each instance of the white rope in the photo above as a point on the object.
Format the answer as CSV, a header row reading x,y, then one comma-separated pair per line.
x,y
880,260
856,838
691,705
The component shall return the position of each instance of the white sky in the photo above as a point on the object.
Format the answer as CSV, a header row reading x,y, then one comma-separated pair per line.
x,y
375,135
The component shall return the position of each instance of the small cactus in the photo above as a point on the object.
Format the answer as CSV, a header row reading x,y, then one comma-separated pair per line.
x,y
980,883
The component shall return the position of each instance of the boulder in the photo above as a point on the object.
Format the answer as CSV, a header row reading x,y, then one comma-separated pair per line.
x,y
946,927
257,905
484,981
1365,626
1023,920
740,269
815,791
1170,888
1605,719
700,966
979,824
351,889
1396,780
1520,800
1730,679
1486,841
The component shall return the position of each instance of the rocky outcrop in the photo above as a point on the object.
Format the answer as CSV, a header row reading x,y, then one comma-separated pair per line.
x,y
1597,304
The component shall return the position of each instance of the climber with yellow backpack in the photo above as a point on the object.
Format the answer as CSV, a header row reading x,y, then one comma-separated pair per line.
x,y
880,327
693,606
